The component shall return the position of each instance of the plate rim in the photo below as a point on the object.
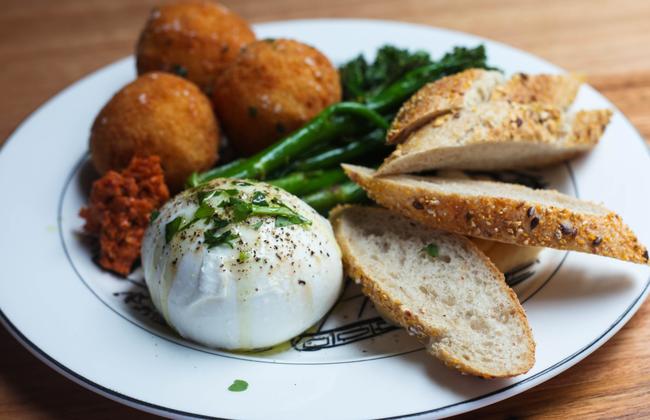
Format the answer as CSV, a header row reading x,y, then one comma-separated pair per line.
x,y
501,393
486,399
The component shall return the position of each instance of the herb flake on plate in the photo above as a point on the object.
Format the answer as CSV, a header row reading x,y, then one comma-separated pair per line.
x,y
238,385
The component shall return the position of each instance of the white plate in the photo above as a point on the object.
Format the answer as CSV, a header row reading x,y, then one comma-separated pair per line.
x,y
100,331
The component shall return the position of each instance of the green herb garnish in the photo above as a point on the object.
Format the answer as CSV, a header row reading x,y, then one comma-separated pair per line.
x,y
153,216
211,238
219,223
173,227
282,221
203,212
204,196
259,199
238,385
240,209
291,216
431,249
243,257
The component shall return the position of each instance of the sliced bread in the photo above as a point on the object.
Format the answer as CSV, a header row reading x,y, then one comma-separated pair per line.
x,y
453,298
470,88
558,90
506,257
499,135
504,212
449,94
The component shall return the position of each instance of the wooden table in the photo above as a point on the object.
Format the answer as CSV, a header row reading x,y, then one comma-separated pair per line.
x,y
47,45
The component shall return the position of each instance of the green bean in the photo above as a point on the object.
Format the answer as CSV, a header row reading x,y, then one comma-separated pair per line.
x,y
370,144
302,183
316,150
334,121
197,179
347,192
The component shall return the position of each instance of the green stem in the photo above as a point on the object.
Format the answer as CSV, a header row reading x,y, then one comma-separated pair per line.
x,y
370,144
271,211
199,178
316,150
302,183
334,121
347,192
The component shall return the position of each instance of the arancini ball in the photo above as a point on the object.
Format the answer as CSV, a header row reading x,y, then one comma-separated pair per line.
x,y
157,114
273,88
193,39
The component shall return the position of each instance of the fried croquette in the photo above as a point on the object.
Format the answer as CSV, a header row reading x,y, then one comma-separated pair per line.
x,y
271,89
194,39
157,114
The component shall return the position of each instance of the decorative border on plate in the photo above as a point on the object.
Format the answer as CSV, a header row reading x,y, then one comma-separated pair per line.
x,y
66,185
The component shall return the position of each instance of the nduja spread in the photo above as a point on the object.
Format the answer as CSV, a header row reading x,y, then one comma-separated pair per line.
x,y
119,210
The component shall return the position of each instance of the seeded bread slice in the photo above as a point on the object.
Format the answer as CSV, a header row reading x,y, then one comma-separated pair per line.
x,y
558,90
499,135
470,88
449,94
457,302
504,212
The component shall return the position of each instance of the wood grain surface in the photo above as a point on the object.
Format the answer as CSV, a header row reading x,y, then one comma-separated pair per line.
x,y
46,45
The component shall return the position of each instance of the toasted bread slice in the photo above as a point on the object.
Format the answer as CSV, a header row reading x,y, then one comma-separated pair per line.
x,y
470,88
499,135
449,94
504,212
457,302
506,257
557,90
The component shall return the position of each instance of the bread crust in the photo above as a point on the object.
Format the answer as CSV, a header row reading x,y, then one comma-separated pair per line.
x,y
503,219
559,90
397,313
448,95
502,123
471,108
441,97
588,127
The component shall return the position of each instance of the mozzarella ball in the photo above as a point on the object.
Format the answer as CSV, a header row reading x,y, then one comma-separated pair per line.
x,y
241,265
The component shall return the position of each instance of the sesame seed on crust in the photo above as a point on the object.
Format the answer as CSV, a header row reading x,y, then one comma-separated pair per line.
x,y
438,98
503,219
